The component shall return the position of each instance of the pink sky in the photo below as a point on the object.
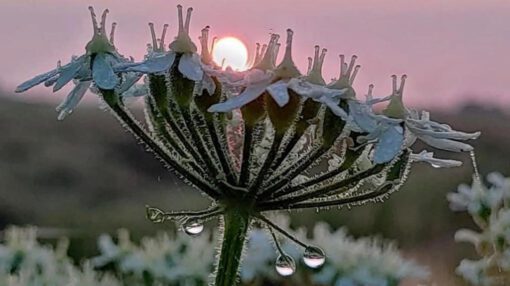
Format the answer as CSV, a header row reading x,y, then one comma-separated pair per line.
x,y
451,50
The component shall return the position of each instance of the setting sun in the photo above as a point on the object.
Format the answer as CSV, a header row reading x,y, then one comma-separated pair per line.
x,y
231,52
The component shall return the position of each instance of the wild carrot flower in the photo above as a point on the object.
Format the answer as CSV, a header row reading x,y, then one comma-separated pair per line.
x,y
95,66
160,61
488,206
286,124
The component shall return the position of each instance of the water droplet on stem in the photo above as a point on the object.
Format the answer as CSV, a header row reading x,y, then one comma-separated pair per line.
x,y
193,227
314,257
285,265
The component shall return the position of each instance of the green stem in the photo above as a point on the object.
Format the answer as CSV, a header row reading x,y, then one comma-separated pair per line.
x,y
132,125
236,228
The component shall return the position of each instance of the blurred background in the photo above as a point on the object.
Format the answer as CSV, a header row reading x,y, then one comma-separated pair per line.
x,y
86,175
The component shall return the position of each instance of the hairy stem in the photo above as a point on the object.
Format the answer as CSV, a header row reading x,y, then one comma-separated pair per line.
x,y
349,159
277,141
234,237
221,152
244,177
290,173
325,190
132,125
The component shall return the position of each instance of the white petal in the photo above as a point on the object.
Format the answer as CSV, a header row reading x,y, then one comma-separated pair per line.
x,y
410,139
333,106
279,92
428,157
255,76
457,202
248,95
454,135
389,144
51,81
152,65
372,101
446,144
103,74
468,235
363,116
137,90
208,84
72,100
68,72
36,80
425,123
130,80
190,67
311,90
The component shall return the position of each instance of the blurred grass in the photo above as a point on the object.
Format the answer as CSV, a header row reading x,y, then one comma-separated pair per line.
x,y
87,176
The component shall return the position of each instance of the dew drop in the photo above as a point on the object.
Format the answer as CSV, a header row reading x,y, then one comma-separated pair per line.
x,y
314,257
193,227
285,265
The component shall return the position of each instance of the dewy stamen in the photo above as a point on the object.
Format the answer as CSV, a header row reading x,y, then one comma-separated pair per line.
x,y
163,36
153,36
343,67
315,73
309,68
112,32
204,43
287,68
103,21
95,26
188,19
181,20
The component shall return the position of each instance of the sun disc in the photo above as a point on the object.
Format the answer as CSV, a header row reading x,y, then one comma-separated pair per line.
x,y
230,52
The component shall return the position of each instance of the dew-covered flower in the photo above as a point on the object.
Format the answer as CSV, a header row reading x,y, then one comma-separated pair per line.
x,y
166,259
488,205
182,48
398,128
476,199
287,124
25,262
428,157
277,81
93,67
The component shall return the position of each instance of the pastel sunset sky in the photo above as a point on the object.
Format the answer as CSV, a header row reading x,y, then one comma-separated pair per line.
x,y
453,51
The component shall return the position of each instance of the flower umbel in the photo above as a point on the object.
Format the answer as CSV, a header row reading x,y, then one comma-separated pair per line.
x,y
253,141
488,206
94,67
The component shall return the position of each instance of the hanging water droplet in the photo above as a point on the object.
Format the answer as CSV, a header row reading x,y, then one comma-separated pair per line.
x,y
314,257
285,265
193,227
435,166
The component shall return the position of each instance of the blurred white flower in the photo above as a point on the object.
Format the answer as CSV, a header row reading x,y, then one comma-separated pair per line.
x,y
489,208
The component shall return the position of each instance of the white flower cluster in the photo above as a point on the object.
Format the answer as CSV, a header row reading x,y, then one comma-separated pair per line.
x,y
350,262
25,262
174,260
488,205
181,260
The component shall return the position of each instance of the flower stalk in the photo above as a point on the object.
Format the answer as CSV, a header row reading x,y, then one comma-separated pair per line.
x,y
236,226
255,141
